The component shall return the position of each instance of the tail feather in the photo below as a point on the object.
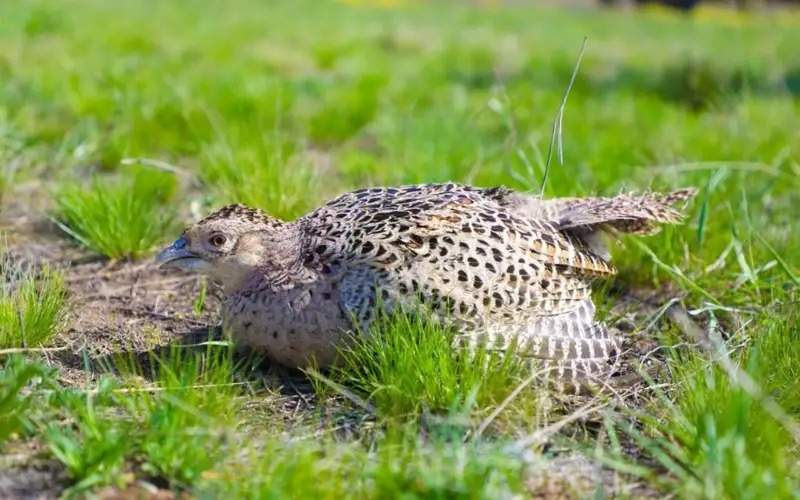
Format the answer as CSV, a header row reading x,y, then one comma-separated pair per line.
x,y
573,334
566,338
642,214
577,350
589,220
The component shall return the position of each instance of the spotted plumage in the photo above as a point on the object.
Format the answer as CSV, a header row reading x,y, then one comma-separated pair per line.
x,y
498,266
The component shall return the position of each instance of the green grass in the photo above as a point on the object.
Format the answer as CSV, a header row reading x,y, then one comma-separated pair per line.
x,y
281,467
257,171
437,467
94,442
119,219
716,435
424,468
6,179
187,422
175,419
19,380
284,105
406,366
731,444
174,427
31,304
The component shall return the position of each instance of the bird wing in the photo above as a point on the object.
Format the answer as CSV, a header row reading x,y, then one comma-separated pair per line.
x,y
389,226
454,247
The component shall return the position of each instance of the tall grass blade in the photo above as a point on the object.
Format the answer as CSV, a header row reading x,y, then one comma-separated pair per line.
x,y
556,139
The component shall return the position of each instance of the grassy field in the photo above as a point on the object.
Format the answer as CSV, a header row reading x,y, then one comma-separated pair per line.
x,y
122,121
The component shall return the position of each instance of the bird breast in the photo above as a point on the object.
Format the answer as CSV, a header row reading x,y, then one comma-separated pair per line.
x,y
297,327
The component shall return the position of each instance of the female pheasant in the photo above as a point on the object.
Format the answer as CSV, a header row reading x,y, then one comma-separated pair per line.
x,y
498,266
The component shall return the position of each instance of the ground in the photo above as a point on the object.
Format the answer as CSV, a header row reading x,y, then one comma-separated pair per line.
x,y
120,123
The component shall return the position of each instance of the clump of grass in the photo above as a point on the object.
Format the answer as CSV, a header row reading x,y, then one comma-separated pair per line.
x,y
263,175
289,468
174,429
715,438
94,444
186,420
407,364
400,464
118,219
17,376
31,304
422,468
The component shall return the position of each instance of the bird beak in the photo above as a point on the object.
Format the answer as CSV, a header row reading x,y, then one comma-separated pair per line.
x,y
178,255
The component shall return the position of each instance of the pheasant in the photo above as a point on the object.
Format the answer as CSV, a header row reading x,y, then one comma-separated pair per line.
x,y
499,267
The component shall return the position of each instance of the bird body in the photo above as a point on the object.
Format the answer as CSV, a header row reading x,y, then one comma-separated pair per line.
x,y
498,266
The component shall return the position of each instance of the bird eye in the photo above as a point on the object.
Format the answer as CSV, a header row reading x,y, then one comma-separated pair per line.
x,y
217,240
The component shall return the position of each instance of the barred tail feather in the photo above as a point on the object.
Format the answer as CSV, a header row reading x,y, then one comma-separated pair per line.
x,y
590,220
642,214
575,348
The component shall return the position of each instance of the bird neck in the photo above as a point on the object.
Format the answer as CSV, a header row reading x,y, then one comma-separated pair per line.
x,y
272,258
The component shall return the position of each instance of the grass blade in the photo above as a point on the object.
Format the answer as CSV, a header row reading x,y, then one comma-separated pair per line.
x,y
556,139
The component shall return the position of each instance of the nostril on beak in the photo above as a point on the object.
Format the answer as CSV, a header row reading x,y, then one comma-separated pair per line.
x,y
180,243
176,251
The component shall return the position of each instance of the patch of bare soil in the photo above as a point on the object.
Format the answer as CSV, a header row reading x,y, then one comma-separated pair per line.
x,y
32,481
132,307
24,475
113,307
572,475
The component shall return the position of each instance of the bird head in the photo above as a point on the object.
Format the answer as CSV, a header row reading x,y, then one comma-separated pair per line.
x,y
226,246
